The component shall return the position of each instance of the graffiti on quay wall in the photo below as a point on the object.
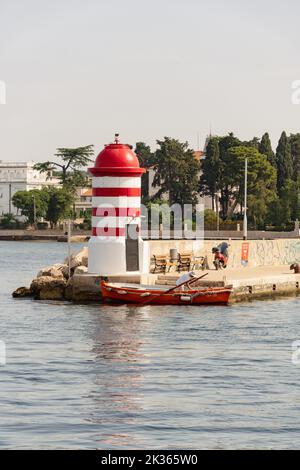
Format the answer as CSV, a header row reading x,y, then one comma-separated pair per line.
x,y
276,252
265,253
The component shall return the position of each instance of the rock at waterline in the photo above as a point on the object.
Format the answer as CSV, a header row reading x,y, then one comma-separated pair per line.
x,y
78,259
68,293
56,271
81,270
22,292
48,288
53,283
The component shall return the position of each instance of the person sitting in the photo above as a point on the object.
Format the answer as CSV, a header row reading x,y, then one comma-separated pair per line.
x,y
219,260
223,248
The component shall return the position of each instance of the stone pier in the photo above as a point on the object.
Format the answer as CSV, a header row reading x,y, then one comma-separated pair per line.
x,y
248,284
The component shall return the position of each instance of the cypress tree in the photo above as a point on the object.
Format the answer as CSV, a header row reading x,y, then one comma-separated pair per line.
x,y
265,147
295,148
210,177
284,162
252,143
146,159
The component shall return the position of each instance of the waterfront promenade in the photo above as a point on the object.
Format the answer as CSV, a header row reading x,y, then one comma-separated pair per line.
x,y
248,283
43,235
267,273
238,276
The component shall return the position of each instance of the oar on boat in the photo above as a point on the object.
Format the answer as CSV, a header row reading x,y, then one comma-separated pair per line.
x,y
190,281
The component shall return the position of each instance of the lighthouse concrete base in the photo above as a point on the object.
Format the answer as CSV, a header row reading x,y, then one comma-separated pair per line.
x,y
86,287
107,257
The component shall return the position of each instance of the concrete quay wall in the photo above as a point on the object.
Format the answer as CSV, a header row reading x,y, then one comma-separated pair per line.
x,y
249,282
260,252
86,287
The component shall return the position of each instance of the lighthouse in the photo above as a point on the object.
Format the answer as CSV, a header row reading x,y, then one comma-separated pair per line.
x,y
115,247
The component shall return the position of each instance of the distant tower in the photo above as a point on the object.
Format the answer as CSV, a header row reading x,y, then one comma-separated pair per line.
x,y
115,245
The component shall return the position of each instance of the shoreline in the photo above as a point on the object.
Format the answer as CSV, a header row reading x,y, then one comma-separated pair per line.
x,y
267,275
260,283
58,237
175,237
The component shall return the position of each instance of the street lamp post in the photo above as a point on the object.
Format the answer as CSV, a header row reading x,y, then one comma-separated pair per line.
x,y
218,212
69,247
9,198
34,211
245,231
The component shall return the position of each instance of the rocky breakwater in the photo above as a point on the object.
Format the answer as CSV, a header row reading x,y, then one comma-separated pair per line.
x,y
56,282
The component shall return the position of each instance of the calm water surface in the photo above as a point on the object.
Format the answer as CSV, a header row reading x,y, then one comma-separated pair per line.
x,y
96,376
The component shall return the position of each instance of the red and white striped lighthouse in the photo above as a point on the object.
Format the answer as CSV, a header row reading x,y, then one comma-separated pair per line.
x,y
115,245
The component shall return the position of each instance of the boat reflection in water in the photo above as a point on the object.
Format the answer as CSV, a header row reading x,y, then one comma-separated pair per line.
x,y
117,340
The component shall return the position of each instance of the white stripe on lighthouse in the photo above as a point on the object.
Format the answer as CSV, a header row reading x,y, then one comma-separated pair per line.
x,y
121,201
116,182
114,222
120,193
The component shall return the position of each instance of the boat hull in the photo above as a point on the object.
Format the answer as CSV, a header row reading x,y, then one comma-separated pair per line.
x,y
127,295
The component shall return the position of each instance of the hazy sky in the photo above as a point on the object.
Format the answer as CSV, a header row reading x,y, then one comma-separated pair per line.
x,y
76,71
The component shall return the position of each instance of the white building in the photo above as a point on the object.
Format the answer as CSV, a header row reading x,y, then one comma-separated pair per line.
x,y
83,202
19,176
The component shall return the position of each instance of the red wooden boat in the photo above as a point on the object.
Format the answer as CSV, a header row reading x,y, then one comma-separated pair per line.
x,y
142,295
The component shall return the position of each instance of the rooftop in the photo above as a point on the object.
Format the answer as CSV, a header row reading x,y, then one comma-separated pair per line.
x,y
16,164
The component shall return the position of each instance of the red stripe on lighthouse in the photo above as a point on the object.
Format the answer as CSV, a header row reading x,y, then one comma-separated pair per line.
x,y
115,212
116,192
108,232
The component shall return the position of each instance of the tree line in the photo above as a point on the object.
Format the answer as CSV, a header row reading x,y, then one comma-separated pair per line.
x,y
273,178
176,172
56,203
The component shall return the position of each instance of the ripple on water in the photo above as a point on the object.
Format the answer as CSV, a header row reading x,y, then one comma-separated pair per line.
x,y
119,377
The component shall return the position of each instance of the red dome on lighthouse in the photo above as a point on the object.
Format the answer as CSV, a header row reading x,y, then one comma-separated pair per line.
x,y
117,159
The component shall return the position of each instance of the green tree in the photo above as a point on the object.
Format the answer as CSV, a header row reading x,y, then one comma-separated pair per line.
x,y
210,170
279,213
76,179
146,159
210,219
265,147
69,169
284,162
225,144
295,200
295,149
31,204
286,208
8,221
176,171
60,203
252,143
53,204
228,142
261,181
214,167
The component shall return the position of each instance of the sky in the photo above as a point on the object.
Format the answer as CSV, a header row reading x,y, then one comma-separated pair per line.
x,y
76,72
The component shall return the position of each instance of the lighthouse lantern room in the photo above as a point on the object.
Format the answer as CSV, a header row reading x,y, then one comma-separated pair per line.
x,y
115,246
